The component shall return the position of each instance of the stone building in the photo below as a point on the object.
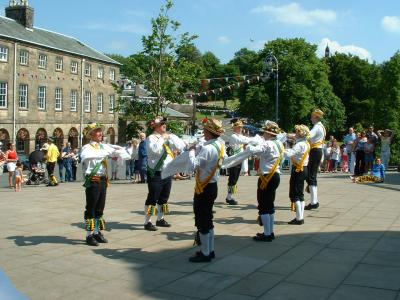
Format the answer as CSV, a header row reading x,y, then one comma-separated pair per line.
x,y
51,84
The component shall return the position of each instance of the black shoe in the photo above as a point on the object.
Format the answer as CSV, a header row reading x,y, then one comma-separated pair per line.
x,y
311,206
162,223
262,238
100,238
231,202
150,227
199,257
296,222
91,241
212,254
272,235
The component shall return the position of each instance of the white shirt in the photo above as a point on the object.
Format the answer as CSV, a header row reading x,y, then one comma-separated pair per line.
x,y
207,159
155,149
317,134
236,142
90,156
269,153
297,152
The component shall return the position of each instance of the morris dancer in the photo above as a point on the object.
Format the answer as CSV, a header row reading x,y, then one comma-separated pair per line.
x,y
236,142
317,138
94,164
160,148
299,157
207,164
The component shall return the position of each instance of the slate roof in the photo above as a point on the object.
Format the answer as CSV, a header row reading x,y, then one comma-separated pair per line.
x,y
11,29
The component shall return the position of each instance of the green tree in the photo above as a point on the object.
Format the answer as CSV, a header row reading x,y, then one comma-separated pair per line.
x,y
303,86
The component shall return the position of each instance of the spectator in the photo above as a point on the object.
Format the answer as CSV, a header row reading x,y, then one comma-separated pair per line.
x,y
143,157
369,149
377,174
2,159
114,167
386,137
358,147
75,162
335,155
11,158
67,161
135,159
344,159
60,163
349,140
129,164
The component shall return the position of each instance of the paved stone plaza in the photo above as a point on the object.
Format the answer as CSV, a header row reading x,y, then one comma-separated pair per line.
x,y
348,249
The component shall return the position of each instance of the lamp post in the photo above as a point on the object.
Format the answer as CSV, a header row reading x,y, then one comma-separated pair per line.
x,y
271,65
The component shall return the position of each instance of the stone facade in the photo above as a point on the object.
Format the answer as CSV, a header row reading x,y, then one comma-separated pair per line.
x,y
32,122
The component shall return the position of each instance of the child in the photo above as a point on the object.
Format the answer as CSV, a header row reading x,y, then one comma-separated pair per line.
x,y
335,154
135,159
377,174
18,177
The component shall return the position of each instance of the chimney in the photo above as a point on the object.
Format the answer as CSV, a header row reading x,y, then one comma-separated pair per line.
x,y
21,12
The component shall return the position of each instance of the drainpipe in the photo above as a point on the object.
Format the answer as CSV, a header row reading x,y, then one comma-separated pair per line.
x,y
81,124
14,94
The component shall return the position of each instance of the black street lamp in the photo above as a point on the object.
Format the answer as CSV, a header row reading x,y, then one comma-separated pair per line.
x,y
271,66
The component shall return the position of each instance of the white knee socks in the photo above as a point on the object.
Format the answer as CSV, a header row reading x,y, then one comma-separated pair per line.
x,y
211,240
266,220
314,195
271,218
147,217
160,213
299,211
205,243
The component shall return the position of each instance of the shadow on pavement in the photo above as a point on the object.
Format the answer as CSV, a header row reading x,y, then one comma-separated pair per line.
x,y
21,240
113,225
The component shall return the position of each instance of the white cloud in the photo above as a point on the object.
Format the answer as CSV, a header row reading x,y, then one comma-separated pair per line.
x,y
293,13
391,24
124,28
334,46
223,39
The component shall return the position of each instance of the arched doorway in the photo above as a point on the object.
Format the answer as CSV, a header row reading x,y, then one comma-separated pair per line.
x,y
111,135
73,137
22,142
40,138
4,139
58,136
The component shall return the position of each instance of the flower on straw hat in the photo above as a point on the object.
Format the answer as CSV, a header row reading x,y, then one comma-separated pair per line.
x,y
302,130
158,121
237,123
92,126
271,128
214,126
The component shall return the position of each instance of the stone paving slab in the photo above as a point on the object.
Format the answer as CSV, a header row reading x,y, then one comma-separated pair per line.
x,y
347,249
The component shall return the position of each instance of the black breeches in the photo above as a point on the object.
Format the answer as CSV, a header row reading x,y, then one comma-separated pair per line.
x,y
296,184
159,189
359,168
313,164
96,199
234,174
266,197
202,206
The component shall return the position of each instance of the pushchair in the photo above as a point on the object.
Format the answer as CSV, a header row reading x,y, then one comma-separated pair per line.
x,y
37,172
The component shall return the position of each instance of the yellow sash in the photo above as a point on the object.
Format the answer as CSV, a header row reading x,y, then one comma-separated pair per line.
x,y
300,166
104,162
320,143
199,187
265,179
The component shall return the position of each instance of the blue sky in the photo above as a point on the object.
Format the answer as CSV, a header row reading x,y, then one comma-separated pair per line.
x,y
367,28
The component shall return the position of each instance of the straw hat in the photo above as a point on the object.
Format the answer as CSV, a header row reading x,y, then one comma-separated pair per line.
x,y
302,130
158,121
237,123
271,128
92,126
318,113
214,126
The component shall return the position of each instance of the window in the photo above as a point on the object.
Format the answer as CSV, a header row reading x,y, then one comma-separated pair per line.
x,y
23,96
112,102
112,74
58,102
86,101
3,53
23,57
74,97
88,69
3,95
100,72
42,97
100,102
59,63
42,61
74,67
